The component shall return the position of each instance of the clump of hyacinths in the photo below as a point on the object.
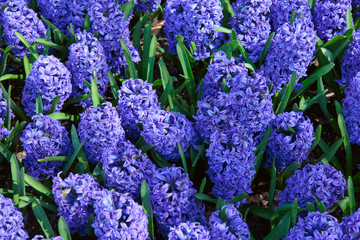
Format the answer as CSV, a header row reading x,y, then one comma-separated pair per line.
x,y
86,56
228,223
137,100
11,221
126,168
350,226
75,197
314,181
170,188
18,17
350,63
42,138
290,140
50,78
118,216
189,230
101,130
196,21
252,25
314,226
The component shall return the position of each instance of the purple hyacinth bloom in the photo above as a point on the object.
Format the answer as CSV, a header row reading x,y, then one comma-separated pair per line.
x,y
18,17
252,25
219,70
351,108
14,5
101,130
316,225
233,229
110,23
292,49
40,237
189,230
172,199
281,10
126,168
330,18
351,226
290,140
136,101
45,137
165,130
119,217
321,181
50,78
86,56
75,196
350,63
149,6
231,163
11,221
195,20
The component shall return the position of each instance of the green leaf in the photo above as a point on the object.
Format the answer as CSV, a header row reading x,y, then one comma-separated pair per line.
x,y
27,66
64,229
266,48
127,8
285,98
229,48
39,104
325,148
290,170
351,194
310,207
71,101
151,59
239,198
317,138
12,76
167,84
223,30
183,159
292,17
137,37
42,218
202,186
159,161
265,213
113,86
27,45
261,149
327,156
94,92
272,185
55,158
281,230
131,66
294,212
37,186
70,162
65,116
54,104
52,45
7,123
321,206
205,197
349,24
5,152
4,60
245,55
145,199
87,23
15,172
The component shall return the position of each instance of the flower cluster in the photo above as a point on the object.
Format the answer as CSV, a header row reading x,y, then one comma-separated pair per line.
x,y
316,225
75,196
252,25
290,140
126,168
136,101
101,130
118,217
350,63
350,226
11,224
321,181
196,21
172,199
231,164
50,78
165,130
330,18
233,228
45,137
147,5
110,23
280,12
189,230
18,17
292,49
351,109
86,56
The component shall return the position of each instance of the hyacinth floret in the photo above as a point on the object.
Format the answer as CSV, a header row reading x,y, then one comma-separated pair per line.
x,y
165,130
101,130
50,78
126,168
172,199
108,20
147,6
196,21
42,138
11,221
189,230
75,196
252,25
18,17
350,63
86,56
281,11
291,49
234,228
321,181
136,101
231,163
316,225
350,226
290,140
329,18
119,217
